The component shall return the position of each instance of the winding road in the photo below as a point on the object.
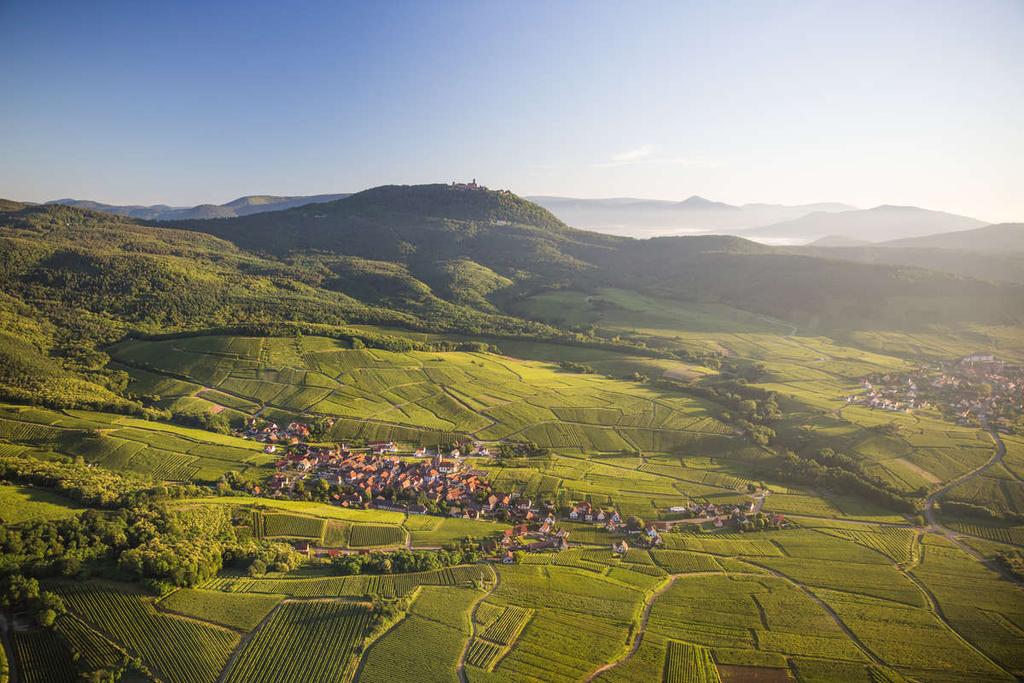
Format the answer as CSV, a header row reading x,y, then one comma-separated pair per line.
x,y
929,503
638,638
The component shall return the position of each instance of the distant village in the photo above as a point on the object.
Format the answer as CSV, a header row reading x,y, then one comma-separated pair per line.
x,y
974,390
424,481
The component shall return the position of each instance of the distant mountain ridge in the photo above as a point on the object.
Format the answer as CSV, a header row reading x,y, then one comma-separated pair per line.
x,y
243,206
636,217
879,224
1000,237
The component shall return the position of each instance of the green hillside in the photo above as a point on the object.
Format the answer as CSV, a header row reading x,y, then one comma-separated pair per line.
x,y
638,376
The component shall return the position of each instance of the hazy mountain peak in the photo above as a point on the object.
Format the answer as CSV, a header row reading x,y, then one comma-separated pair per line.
x,y
698,202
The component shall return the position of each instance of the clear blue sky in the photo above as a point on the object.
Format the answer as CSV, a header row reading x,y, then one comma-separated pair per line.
x,y
865,102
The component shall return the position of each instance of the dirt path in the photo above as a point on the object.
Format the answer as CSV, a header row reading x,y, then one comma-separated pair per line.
x,y
929,503
936,608
828,609
638,638
237,652
460,668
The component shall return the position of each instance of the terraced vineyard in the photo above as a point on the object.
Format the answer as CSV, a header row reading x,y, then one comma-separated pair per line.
x,y
429,397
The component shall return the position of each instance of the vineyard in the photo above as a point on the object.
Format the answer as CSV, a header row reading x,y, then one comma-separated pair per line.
x,y
242,611
484,654
508,626
893,542
384,585
162,451
442,395
686,663
159,639
375,535
426,645
96,650
1002,534
42,657
284,525
280,651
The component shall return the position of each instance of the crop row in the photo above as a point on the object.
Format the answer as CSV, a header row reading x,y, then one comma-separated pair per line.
x,y
484,654
303,641
686,663
509,625
278,524
375,535
42,657
159,639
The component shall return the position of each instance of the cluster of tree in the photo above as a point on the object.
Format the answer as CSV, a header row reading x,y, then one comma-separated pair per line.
x,y
138,535
1013,562
21,593
404,561
964,508
75,480
213,422
573,366
520,453
259,558
826,469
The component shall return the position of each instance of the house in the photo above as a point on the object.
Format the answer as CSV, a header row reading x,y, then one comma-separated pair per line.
x,y
508,558
582,510
620,548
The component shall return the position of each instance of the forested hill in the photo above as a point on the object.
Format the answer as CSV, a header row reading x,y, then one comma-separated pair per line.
x,y
511,247
429,258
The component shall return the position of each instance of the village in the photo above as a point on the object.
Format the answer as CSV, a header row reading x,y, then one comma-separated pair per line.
x,y
424,481
975,390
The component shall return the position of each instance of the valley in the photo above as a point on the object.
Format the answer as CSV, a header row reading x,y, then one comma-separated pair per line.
x,y
236,451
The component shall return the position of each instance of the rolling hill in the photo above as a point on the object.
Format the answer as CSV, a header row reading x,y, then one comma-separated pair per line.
x,y
429,258
426,227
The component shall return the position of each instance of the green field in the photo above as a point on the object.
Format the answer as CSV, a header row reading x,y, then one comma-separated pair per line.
x,y
23,503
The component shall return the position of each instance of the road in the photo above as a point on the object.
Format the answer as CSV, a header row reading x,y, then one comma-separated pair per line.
x,y
935,526
638,638
929,503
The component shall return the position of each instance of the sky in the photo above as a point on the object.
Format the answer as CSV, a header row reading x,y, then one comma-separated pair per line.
x,y
864,102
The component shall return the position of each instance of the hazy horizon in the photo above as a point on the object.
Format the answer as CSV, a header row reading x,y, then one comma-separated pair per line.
x,y
863,103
